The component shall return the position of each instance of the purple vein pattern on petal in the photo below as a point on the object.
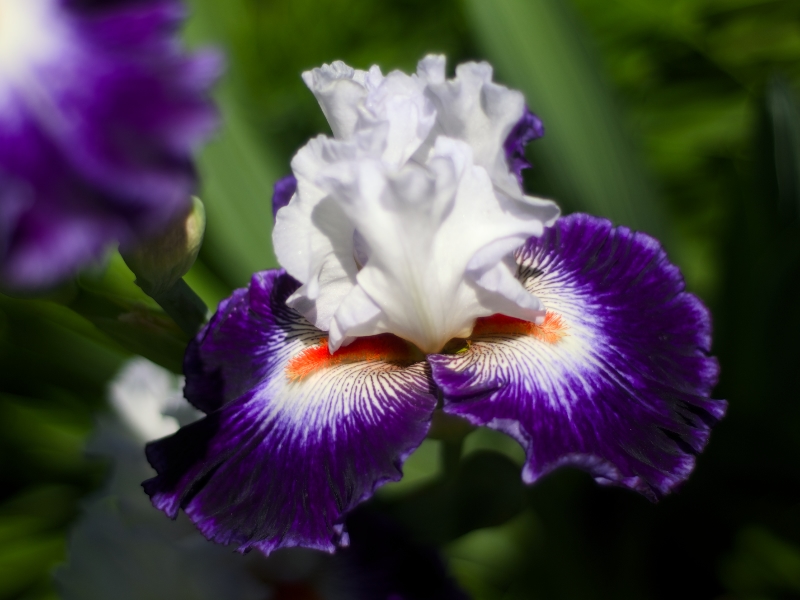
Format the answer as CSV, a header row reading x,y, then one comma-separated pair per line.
x,y
527,129
619,385
277,462
97,128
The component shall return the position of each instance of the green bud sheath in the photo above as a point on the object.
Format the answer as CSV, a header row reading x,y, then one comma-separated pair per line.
x,y
160,261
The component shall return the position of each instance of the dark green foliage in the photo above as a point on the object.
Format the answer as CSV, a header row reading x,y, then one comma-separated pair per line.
x,y
483,491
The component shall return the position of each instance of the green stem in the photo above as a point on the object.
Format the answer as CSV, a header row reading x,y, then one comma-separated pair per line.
x,y
135,327
184,306
451,455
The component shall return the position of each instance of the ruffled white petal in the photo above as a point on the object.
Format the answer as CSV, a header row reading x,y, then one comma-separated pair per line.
x,y
313,238
392,112
424,226
399,104
407,220
473,108
340,90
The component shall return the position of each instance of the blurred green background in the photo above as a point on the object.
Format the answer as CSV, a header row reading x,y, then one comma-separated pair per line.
x,y
677,117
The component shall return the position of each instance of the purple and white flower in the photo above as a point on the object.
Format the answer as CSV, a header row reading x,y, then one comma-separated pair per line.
x,y
416,269
100,111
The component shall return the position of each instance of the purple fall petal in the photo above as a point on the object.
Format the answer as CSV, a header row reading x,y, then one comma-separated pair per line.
x,y
284,453
97,136
616,381
284,189
527,129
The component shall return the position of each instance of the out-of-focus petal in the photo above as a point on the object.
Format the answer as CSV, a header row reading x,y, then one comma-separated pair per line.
x,y
121,547
617,378
295,437
100,112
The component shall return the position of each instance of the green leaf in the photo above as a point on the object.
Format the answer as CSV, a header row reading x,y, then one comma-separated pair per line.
x,y
236,169
31,537
591,165
135,326
24,563
237,176
484,491
762,564
783,116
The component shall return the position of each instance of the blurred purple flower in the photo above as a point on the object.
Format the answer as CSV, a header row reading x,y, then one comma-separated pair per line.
x,y
100,111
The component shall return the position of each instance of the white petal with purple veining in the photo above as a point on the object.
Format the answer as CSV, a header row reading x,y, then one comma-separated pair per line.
x,y
617,378
294,437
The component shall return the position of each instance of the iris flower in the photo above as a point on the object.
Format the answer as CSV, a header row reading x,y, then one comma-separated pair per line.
x,y
416,274
100,111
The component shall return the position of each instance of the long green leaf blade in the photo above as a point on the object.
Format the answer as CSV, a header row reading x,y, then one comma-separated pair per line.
x,y
538,47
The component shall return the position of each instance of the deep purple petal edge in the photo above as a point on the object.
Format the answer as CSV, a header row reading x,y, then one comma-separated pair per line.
x,y
280,462
527,129
283,191
625,393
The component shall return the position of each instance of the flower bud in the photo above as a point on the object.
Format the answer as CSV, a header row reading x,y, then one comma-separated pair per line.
x,y
162,260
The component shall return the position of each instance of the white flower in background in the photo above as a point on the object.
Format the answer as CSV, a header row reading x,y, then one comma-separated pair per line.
x,y
123,549
406,221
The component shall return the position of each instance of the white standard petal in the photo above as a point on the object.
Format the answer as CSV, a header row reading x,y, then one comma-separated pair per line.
x,y
407,221
313,238
393,111
425,226
340,90
474,109
399,104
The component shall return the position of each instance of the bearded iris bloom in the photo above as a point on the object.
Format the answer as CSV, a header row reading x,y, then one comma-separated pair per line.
x,y
100,111
417,271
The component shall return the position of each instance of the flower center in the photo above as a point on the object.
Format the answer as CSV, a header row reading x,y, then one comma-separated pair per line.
x,y
552,330
386,348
